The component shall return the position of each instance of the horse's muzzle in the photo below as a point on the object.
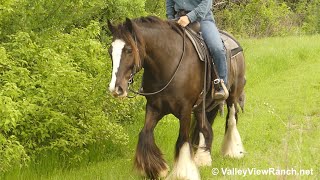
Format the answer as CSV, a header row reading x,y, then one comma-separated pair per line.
x,y
119,92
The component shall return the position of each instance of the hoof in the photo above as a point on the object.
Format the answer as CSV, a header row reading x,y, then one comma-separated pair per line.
x,y
164,173
185,168
202,158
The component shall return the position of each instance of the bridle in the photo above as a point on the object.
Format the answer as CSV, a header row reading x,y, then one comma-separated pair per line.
x,y
136,70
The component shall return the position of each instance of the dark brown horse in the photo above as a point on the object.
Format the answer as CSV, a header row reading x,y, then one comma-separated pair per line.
x,y
172,69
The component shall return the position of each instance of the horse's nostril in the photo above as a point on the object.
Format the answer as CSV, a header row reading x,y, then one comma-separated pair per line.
x,y
119,90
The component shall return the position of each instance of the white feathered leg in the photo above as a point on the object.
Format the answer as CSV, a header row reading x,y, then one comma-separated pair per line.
x,y
185,168
202,156
232,144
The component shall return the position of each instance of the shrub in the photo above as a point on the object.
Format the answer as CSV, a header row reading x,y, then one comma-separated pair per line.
x,y
54,72
256,18
53,95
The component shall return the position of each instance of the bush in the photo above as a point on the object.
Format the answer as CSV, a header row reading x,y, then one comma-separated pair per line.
x,y
308,16
53,95
54,72
256,18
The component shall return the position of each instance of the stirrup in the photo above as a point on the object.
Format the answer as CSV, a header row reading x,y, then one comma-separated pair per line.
x,y
217,86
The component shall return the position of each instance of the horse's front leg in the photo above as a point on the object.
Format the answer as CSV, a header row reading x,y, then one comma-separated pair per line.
x,y
185,167
202,138
148,158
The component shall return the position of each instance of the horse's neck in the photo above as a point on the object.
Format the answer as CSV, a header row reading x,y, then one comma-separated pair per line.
x,y
163,49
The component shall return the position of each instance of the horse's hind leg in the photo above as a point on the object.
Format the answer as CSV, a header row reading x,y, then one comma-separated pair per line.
x,y
202,136
242,100
232,144
148,158
185,167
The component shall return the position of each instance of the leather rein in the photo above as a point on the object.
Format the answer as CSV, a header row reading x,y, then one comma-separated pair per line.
x,y
130,82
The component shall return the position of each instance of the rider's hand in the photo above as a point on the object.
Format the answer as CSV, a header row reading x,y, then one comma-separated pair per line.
x,y
183,21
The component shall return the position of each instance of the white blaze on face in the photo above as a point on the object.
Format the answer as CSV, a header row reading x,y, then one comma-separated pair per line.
x,y
117,47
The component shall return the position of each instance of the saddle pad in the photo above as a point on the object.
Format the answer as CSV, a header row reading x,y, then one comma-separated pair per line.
x,y
230,43
198,44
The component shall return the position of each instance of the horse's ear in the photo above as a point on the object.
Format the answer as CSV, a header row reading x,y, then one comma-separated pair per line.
x,y
111,27
130,25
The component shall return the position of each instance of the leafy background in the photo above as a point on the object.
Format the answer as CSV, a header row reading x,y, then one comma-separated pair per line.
x,y
55,69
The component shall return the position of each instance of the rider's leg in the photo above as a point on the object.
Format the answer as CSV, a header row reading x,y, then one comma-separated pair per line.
x,y
213,40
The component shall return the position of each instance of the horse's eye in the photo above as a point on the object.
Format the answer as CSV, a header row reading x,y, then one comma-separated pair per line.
x,y
128,50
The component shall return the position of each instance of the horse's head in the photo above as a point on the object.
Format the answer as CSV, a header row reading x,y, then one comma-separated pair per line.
x,y
125,56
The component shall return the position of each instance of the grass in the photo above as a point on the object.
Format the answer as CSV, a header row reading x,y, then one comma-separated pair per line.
x,y
280,127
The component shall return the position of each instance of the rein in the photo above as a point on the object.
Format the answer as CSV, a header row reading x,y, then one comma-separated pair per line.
x,y
156,92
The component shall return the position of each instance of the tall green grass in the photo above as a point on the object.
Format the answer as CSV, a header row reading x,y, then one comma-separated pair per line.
x,y
280,127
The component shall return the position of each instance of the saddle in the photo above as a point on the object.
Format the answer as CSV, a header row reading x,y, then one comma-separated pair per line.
x,y
229,42
232,49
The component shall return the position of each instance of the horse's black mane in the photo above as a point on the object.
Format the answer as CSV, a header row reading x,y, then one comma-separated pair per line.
x,y
149,19
150,22
158,22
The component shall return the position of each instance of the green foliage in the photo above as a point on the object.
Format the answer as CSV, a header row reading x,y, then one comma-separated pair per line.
x,y
11,153
156,7
62,15
53,93
54,73
257,18
308,15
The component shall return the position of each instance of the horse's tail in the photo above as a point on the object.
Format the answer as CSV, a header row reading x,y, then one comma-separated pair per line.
x,y
242,97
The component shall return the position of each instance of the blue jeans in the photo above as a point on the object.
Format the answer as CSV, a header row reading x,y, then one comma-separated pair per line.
x,y
213,40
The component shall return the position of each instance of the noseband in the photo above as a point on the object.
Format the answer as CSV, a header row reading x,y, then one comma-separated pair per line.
x,y
136,70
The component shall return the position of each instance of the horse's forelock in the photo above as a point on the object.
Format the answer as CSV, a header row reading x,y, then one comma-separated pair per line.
x,y
134,40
